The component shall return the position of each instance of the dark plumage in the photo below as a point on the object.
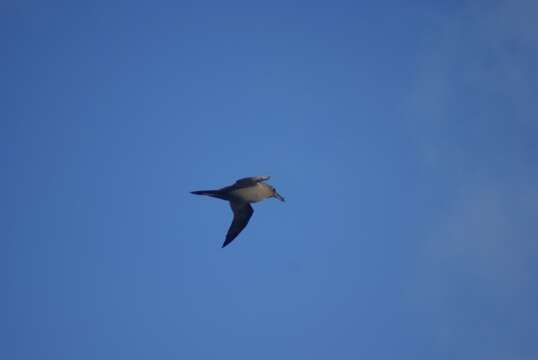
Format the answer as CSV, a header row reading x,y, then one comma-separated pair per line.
x,y
240,195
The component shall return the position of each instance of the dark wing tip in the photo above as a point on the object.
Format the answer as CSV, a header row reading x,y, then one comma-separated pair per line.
x,y
226,241
230,236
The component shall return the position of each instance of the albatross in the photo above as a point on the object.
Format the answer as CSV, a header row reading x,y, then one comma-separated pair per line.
x,y
241,194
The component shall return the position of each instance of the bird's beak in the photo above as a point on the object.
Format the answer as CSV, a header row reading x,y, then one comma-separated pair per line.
x,y
278,196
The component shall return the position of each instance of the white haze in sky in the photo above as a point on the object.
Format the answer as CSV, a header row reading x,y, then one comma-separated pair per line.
x,y
476,98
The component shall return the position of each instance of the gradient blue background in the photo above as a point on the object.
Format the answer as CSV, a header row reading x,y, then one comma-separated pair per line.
x,y
403,135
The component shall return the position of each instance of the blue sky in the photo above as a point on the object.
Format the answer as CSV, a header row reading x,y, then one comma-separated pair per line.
x,y
402,134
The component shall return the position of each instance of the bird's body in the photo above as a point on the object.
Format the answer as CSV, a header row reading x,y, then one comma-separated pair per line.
x,y
252,194
240,195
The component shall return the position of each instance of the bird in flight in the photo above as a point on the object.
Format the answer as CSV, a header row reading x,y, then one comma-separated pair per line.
x,y
240,195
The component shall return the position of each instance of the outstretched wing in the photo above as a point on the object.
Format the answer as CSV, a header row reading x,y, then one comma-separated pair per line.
x,y
250,181
242,214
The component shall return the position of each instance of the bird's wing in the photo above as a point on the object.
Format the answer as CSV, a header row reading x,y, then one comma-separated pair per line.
x,y
242,214
250,181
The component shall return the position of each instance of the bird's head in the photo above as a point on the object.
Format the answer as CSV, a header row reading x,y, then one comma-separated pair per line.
x,y
275,194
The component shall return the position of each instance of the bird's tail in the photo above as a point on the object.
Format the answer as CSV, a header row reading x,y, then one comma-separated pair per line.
x,y
219,194
206,192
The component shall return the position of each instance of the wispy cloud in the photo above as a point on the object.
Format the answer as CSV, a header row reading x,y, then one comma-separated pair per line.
x,y
478,70
475,104
488,235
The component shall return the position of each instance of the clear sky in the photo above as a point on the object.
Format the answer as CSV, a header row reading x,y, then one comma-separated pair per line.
x,y
403,135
